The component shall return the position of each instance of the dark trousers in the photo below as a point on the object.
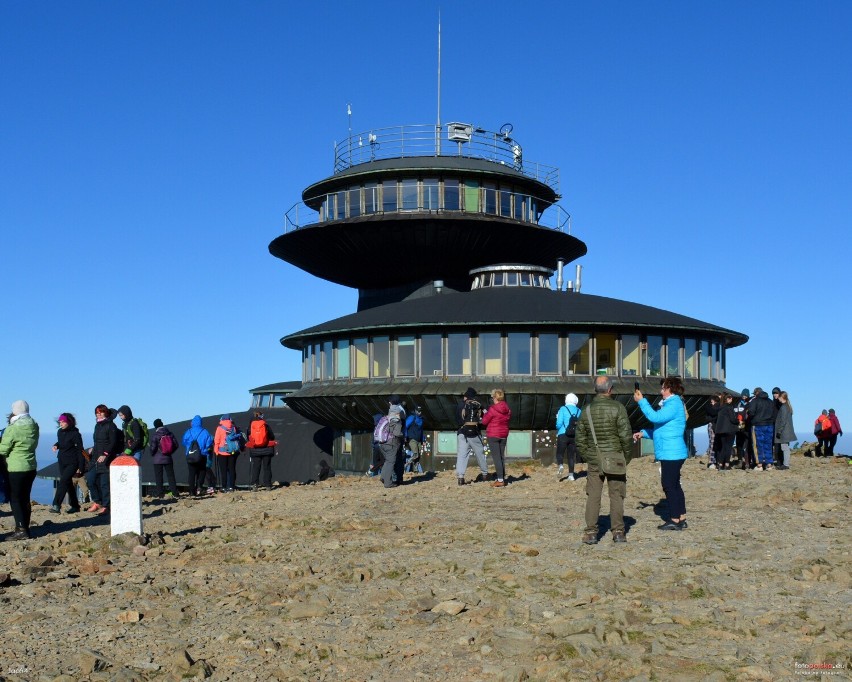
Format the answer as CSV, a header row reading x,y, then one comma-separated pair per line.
x,y
745,448
197,474
565,444
227,471
378,457
261,468
158,478
65,486
498,456
20,489
832,441
724,443
99,486
617,489
672,488
209,476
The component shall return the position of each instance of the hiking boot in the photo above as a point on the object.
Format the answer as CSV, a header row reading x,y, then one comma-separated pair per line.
x,y
498,484
461,480
571,477
619,536
20,533
55,509
560,470
669,525
590,538
72,510
682,525
95,506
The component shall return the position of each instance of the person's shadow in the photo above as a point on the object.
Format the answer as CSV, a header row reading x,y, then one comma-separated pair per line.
x,y
660,507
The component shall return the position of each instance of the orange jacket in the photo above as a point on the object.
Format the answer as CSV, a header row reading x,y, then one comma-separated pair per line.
x,y
219,439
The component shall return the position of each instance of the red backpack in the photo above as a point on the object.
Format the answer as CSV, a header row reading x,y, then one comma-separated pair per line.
x,y
259,434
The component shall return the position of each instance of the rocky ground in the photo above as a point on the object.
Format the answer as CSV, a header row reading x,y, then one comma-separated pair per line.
x,y
345,580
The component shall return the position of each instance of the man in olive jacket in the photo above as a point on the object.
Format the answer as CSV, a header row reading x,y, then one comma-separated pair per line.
x,y
612,428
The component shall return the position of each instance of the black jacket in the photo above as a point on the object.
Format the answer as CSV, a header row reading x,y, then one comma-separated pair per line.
x,y
712,411
761,411
69,448
726,420
108,441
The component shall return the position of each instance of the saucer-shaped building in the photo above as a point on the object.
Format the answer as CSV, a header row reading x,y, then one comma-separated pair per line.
x,y
453,239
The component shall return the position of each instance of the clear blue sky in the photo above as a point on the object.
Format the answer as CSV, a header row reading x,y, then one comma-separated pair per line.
x,y
149,151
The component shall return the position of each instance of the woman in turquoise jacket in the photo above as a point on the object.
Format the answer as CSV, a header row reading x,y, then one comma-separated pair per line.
x,y
18,446
669,425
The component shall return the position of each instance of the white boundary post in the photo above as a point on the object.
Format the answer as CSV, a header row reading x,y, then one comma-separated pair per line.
x,y
125,492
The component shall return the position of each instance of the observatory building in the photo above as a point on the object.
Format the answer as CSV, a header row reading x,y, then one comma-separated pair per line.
x,y
457,246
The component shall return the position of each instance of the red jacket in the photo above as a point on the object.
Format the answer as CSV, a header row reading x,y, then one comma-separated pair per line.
x,y
496,420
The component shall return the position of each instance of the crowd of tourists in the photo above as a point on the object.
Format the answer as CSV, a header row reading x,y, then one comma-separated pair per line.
x,y
757,428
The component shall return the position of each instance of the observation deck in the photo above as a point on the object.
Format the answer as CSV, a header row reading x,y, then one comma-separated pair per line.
x,y
457,196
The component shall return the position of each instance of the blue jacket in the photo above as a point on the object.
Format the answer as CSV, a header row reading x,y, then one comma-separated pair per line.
x,y
564,416
669,425
199,433
417,420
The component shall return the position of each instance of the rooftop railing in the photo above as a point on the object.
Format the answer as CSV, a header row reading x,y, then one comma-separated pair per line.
x,y
451,139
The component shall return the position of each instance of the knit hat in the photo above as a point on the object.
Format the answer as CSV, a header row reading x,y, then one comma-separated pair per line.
x,y
418,409
20,407
158,423
62,418
745,393
225,417
393,399
776,390
470,393
571,399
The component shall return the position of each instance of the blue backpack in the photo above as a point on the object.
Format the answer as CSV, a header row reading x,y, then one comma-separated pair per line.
x,y
233,440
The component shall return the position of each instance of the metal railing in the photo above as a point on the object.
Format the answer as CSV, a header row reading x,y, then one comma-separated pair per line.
x,y
301,215
450,139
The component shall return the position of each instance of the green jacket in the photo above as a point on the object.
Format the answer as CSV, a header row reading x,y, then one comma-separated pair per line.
x,y
612,427
19,443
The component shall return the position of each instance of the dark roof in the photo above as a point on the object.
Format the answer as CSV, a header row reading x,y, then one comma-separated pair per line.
x,y
506,307
280,386
386,250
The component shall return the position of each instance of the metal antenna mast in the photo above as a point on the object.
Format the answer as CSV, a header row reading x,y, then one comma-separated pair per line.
x,y
438,124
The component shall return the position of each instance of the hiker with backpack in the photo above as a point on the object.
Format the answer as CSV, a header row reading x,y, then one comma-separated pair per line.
x,y
198,445
566,435
228,443
261,447
389,433
378,459
414,437
163,445
469,438
135,433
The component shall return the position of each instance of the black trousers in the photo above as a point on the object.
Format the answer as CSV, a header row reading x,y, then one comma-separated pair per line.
x,y
227,471
724,445
66,486
498,456
261,468
671,486
20,490
566,444
197,474
158,478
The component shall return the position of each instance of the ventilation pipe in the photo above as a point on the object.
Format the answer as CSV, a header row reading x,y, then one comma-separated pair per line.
x,y
570,286
579,270
560,263
439,285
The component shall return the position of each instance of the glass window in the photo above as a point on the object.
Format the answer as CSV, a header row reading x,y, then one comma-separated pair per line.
x,y
342,352
526,279
306,364
361,355
458,354
389,196
354,202
630,355
533,214
706,361
347,442
430,355
673,357
499,278
548,353
409,195
505,203
511,279
430,194
381,357
327,360
405,356
717,361
579,358
279,400
340,204
471,196
488,355
723,367
605,354
316,365
451,195
518,213
518,356
654,357
490,198
690,359
371,197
